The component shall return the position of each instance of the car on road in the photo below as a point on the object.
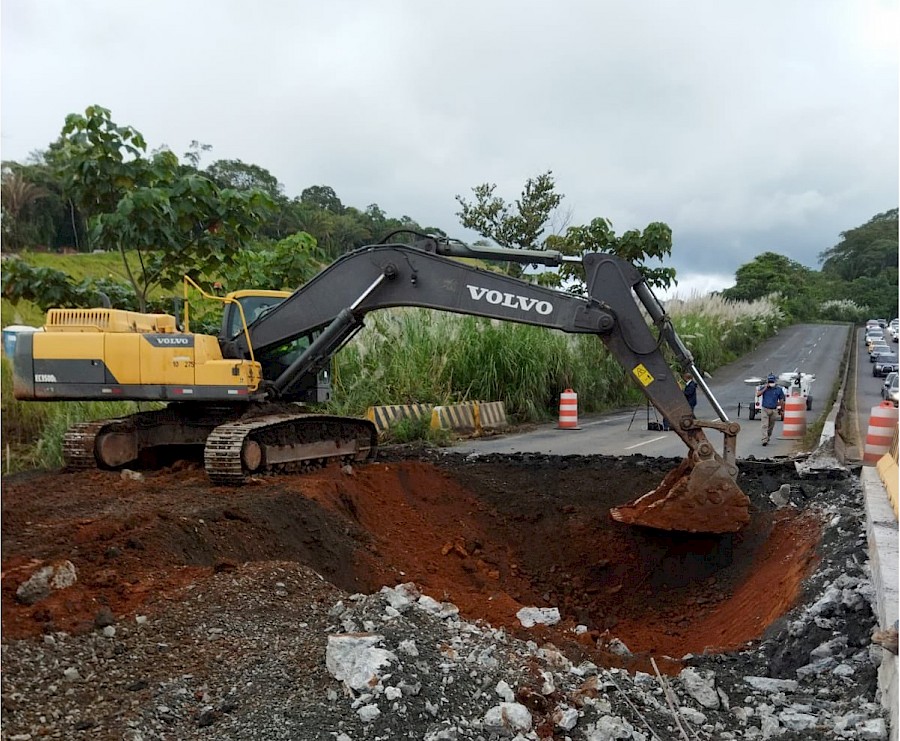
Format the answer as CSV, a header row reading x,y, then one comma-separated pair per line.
x,y
872,341
894,392
889,380
885,364
879,349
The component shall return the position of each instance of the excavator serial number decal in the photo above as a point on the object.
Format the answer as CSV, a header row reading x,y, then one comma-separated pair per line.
x,y
642,374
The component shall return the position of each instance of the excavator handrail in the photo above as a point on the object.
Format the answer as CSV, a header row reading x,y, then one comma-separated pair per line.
x,y
222,299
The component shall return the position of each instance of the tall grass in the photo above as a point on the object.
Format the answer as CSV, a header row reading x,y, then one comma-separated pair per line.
x,y
85,265
417,355
717,331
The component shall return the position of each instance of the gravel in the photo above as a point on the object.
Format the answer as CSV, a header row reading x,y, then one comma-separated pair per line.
x,y
271,650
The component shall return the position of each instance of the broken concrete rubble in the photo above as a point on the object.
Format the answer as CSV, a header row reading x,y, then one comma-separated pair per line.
x,y
531,616
46,579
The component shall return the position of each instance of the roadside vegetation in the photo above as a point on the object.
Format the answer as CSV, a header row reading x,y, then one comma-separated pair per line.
x,y
96,218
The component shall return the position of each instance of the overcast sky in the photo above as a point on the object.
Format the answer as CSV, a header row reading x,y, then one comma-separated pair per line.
x,y
746,126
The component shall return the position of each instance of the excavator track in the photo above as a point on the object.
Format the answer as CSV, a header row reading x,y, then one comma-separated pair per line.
x,y
285,443
237,443
79,443
83,442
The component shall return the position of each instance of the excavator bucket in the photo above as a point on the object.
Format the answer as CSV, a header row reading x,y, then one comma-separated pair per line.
x,y
694,497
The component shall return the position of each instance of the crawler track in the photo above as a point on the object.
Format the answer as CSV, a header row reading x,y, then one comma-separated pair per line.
x,y
285,444
237,442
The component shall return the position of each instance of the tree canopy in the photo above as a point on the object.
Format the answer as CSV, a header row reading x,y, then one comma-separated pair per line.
x,y
867,250
522,225
859,273
179,220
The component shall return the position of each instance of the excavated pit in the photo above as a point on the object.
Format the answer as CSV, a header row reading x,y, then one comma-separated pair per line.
x,y
490,534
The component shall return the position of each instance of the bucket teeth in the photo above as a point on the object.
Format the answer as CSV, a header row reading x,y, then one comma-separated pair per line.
x,y
693,498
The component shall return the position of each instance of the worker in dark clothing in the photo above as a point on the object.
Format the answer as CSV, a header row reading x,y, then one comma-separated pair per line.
x,y
690,393
772,399
690,390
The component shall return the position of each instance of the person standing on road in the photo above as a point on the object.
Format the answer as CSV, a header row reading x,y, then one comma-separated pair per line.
x,y
690,390
772,400
690,393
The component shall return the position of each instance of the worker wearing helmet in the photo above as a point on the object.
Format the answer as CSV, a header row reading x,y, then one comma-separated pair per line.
x,y
772,400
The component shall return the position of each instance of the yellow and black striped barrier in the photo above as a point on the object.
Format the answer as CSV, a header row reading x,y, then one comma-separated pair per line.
x,y
468,418
492,415
457,417
385,416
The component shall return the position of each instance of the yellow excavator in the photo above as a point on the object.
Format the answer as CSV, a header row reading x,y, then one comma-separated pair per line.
x,y
244,396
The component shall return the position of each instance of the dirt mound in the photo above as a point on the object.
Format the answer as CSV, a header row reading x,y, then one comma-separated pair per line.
x,y
490,534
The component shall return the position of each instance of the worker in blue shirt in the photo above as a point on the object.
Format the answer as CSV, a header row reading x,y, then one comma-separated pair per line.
x,y
772,399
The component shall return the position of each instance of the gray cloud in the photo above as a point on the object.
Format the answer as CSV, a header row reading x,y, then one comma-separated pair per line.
x,y
745,127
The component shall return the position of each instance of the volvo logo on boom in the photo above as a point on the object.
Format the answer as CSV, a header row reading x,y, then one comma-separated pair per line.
x,y
510,300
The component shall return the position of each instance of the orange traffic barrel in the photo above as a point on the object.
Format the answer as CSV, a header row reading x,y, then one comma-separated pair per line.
x,y
882,423
568,411
794,425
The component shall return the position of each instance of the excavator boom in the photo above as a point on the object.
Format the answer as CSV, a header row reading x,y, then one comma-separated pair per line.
x,y
702,497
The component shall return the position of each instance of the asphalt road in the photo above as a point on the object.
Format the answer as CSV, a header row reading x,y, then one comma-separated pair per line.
x,y
811,348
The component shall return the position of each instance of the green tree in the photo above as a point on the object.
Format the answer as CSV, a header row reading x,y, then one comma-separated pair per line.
x,y
866,250
241,176
322,197
52,220
513,226
655,241
798,289
18,197
284,265
522,225
178,220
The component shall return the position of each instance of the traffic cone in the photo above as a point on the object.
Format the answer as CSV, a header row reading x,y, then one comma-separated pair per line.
x,y
568,411
882,423
794,425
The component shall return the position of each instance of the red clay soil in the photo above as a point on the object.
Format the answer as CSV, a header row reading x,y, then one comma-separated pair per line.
x,y
490,537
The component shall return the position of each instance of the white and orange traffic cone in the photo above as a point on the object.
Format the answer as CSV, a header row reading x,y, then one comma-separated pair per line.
x,y
882,423
568,411
794,424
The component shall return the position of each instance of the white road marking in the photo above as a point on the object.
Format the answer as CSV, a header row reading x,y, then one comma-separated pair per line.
x,y
647,442
605,421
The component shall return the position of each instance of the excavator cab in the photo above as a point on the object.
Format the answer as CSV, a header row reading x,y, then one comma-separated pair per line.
x,y
257,304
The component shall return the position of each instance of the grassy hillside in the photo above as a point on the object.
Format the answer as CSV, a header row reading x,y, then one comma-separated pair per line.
x,y
81,266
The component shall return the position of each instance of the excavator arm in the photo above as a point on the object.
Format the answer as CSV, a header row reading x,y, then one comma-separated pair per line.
x,y
699,496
